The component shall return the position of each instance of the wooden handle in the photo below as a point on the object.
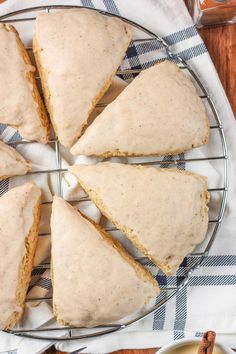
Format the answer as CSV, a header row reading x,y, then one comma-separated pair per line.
x,y
207,343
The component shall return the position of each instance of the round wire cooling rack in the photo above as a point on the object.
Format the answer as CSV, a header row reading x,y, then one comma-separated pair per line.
x,y
161,50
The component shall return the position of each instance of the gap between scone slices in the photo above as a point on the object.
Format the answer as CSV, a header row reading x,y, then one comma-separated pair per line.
x,y
11,162
20,103
19,223
162,211
158,113
95,280
77,52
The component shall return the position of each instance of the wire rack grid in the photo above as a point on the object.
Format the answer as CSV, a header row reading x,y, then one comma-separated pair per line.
x,y
167,291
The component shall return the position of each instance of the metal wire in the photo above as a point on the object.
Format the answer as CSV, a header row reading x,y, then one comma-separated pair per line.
x,y
167,292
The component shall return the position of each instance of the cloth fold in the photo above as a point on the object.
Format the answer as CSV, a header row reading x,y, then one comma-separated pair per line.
x,y
209,300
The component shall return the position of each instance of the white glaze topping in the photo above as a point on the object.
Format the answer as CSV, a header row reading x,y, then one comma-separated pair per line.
x,y
163,209
11,162
16,219
93,283
159,113
18,108
79,51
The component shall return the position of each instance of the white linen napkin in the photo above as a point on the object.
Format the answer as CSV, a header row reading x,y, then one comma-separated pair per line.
x,y
209,301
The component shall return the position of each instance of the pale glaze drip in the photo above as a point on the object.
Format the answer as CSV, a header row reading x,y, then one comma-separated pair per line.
x,y
17,105
16,219
92,283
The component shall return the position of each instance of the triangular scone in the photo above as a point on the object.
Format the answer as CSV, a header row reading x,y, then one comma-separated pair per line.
x,y
163,211
159,113
20,103
11,162
77,52
95,280
116,87
19,222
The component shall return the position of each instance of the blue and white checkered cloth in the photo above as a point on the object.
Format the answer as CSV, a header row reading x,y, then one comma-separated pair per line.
x,y
209,300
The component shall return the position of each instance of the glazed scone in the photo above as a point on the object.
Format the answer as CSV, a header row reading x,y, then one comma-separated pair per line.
x,y
116,87
159,113
95,280
162,211
11,162
20,103
77,52
19,222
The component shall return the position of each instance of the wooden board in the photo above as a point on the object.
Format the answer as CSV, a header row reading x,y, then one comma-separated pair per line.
x,y
221,44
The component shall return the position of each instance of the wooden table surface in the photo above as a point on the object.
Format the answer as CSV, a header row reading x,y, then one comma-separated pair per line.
x,y
221,43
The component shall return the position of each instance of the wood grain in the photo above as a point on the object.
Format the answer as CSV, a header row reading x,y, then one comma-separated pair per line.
x,y
221,44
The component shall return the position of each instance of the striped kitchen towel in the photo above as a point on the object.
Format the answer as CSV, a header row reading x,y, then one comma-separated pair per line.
x,y
209,300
